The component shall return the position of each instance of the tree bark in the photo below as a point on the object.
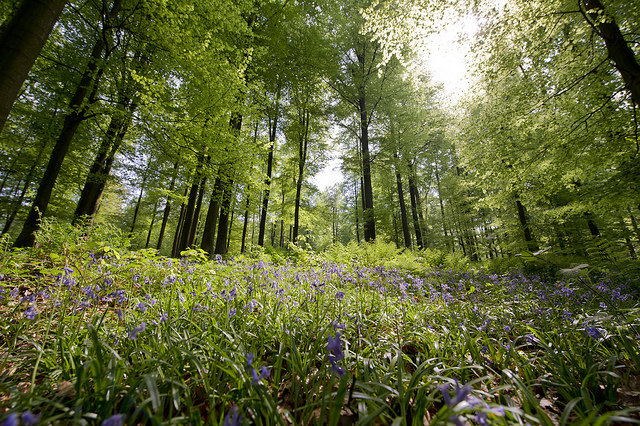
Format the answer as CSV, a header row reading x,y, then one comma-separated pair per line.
x,y
196,213
21,40
618,50
210,223
273,123
413,192
245,226
153,220
167,207
78,108
403,209
303,143
532,245
367,194
101,168
179,227
444,222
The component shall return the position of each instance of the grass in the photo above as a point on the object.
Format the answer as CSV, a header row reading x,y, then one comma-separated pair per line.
x,y
91,334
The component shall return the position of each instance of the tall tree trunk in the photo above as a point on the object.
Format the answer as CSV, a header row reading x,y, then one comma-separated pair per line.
x,y
137,209
444,222
634,225
98,174
186,234
179,226
233,212
78,109
403,209
273,124
413,192
153,220
223,222
196,213
21,40
167,207
245,226
367,195
210,223
282,216
618,50
355,188
532,245
303,143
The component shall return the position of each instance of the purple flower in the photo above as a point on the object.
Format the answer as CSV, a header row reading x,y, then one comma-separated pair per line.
x,y
232,312
133,334
12,420
120,314
233,418
334,347
30,313
339,295
141,307
115,420
163,317
29,419
461,394
593,332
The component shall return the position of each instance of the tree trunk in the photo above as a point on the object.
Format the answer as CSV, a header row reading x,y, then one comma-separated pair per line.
x,y
413,192
367,195
136,210
167,207
179,227
617,48
245,226
78,107
153,220
223,222
196,214
273,123
209,232
303,143
21,40
532,245
357,215
282,217
403,210
444,222
101,168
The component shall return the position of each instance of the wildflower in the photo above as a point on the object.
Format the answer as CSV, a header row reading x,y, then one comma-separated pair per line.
x,y
593,332
133,334
339,295
141,307
120,314
163,317
115,420
334,347
29,419
233,418
30,313
507,329
461,394
12,420
232,312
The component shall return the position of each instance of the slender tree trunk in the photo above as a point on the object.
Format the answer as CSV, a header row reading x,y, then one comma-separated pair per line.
x,y
196,213
303,143
413,192
618,49
167,207
223,222
245,226
176,238
153,220
21,40
403,210
634,225
189,216
444,222
282,217
98,174
593,228
78,108
273,124
367,195
136,210
532,245
208,235
357,215
233,213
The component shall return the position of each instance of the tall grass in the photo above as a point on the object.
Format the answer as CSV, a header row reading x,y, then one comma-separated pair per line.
x,y
94,334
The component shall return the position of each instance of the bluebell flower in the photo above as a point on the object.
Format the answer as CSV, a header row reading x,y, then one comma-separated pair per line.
x,y
120,314
30,313
340,295
133,334
141,307
460,394
12,420
233,418
232,312
593,332
115,420
29,419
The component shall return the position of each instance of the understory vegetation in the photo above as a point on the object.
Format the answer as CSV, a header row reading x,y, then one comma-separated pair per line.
x,y
93,333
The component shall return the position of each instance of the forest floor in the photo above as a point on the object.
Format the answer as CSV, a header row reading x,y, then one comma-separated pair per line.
x,y
118,337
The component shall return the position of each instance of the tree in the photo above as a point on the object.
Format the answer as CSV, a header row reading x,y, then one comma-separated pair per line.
x,y
21,40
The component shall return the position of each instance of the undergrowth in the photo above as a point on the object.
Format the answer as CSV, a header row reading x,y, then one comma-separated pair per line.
x,y
92,333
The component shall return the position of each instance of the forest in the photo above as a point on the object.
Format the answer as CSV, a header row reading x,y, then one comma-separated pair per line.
x,y
297,212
